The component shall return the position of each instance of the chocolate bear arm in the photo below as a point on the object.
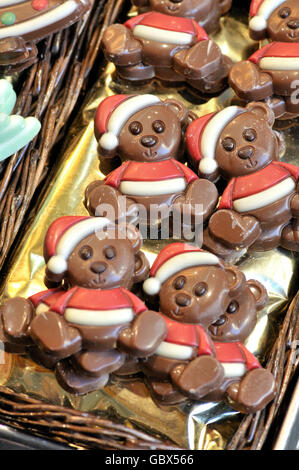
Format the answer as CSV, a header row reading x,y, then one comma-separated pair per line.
x,y
249,83
200,61
144,336
16,315
52,334
225,6
99,196
120,46
233,229
200,200
200,377
254,391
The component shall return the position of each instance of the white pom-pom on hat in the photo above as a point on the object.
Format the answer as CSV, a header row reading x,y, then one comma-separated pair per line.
x,y
152,286
208,166
57,264
258,23
108,141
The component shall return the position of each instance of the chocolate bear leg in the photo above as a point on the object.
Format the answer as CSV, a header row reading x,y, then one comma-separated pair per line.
x,y
53,335
164,393
228,255
290,236
98,363
139,74
103,200
16,315
200,377
254,391
77,383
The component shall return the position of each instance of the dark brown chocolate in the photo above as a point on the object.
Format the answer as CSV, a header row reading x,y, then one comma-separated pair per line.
x,y
23,23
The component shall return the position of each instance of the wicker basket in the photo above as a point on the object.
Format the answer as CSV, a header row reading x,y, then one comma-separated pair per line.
x,y
51,90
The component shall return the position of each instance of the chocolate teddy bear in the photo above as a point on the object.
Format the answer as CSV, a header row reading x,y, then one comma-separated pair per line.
x,y
93,325
277,20
199,296
205,12
146,133
24,23
259,207
270,74
169,48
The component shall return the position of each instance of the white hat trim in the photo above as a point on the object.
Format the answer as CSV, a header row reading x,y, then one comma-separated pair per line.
x,y
211,135
175,264
57,264
120,116
259,22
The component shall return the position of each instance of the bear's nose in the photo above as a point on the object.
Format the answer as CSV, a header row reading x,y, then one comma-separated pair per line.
x,y
148,140
293,24
245,152
182,300
98,267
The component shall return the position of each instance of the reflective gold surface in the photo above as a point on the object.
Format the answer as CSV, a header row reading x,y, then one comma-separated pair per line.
x,y
197,426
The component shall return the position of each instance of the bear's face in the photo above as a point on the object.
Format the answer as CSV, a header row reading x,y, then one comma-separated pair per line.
x,y
152,134
107,260
185,8
246,145
196,295
283,24
240,317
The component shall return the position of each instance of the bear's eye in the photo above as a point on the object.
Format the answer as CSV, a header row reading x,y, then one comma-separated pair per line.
x,y
233,307
158,126
109,252
85,252
179,283
200,289
228,144
135,127
285,12
249,135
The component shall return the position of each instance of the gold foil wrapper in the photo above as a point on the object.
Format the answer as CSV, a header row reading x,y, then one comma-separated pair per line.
x,y
192,425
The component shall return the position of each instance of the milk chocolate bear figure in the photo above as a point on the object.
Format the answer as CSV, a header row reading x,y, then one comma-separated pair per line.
x,y
85,329
146,133
169,48
270,74
259,208
197,294
277,20
205,12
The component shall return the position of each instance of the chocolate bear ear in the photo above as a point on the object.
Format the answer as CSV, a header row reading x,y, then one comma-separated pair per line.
x,y
236,279
262,111
179,109
142,267
259,292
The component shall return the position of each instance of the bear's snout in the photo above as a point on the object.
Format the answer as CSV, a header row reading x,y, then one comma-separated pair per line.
x,y
246,152
98,267
183,300
148,140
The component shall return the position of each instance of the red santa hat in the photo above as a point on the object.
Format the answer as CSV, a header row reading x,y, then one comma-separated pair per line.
x,y
260,11
63,236
173,259
202,136
114,112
